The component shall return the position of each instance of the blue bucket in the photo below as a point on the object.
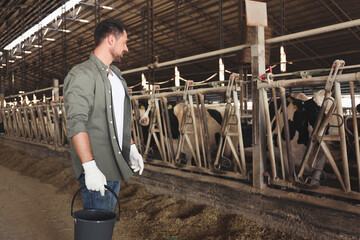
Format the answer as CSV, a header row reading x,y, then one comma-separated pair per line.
x,y
94,224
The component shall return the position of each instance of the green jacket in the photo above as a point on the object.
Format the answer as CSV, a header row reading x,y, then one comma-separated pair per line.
x,y
88,105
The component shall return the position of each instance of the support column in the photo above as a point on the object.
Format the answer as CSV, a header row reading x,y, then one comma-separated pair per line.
x,y
23,68
40,43
176,32
150,40
257,69
1,79
63,42
221,40
55,93
143,42
97,12
13,88
2,98
5,77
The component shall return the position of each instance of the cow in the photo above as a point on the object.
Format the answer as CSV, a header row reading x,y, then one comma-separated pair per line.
x,y
349,129
302,113
214,116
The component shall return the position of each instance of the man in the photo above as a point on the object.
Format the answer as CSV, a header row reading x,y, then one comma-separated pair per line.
x,y
98,112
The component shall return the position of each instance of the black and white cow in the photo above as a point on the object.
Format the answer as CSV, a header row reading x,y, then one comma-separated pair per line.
x,y
302,112
214,116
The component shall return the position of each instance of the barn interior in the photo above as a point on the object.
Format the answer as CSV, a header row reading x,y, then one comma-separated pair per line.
x,y
204,55
168,30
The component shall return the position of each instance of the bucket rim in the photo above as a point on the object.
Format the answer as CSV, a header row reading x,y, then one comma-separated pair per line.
x,y
114,218
117,216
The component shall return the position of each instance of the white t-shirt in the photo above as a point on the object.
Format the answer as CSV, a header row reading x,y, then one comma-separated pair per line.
x,y
118,97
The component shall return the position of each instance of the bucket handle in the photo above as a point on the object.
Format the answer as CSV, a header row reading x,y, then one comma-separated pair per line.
x,y
108,188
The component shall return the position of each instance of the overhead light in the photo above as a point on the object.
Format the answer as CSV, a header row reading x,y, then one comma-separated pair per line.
x,y
12,61
282,59
18,56
1,67
58,12
28,52
47,29
3,64
60,22
221,70
63,30
144,82
82,20
50,39
109,8
37,46
77,12
177,77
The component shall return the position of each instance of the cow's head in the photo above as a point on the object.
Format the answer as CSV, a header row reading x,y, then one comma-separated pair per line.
x,y
144,114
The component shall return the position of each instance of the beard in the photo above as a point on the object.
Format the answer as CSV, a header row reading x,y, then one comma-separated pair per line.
x,y
116,56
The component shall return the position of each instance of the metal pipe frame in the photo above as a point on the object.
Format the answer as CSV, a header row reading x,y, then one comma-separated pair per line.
x,y
314,81
289,166
356,132
307,33
269,133
344,177
41,123
344,158
279,141
200,150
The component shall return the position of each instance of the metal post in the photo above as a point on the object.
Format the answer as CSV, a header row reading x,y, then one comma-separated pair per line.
x,y
12,81
7,58
289,167
2,100
40,43
202,113
176,32
279,141
257,69
56,96
270,144
356,133
2,78
345,164
221,40
97,11
63,41
168,128
150,39
23,63
143,43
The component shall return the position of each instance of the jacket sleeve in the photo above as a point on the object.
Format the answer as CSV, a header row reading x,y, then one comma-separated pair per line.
x,y
78,99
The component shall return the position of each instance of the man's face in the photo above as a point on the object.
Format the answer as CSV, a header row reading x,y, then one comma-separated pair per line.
x,y
119,47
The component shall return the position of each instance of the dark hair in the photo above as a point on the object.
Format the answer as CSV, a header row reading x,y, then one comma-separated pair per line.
x,y
106,27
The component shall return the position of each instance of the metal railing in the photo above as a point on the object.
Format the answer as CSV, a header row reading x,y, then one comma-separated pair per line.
x,y
42,123
340,175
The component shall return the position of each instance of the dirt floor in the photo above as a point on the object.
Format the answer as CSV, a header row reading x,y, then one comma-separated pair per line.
x,y
35,204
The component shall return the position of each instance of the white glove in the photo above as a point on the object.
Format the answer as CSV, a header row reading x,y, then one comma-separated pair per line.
x,y
136,159
94,178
